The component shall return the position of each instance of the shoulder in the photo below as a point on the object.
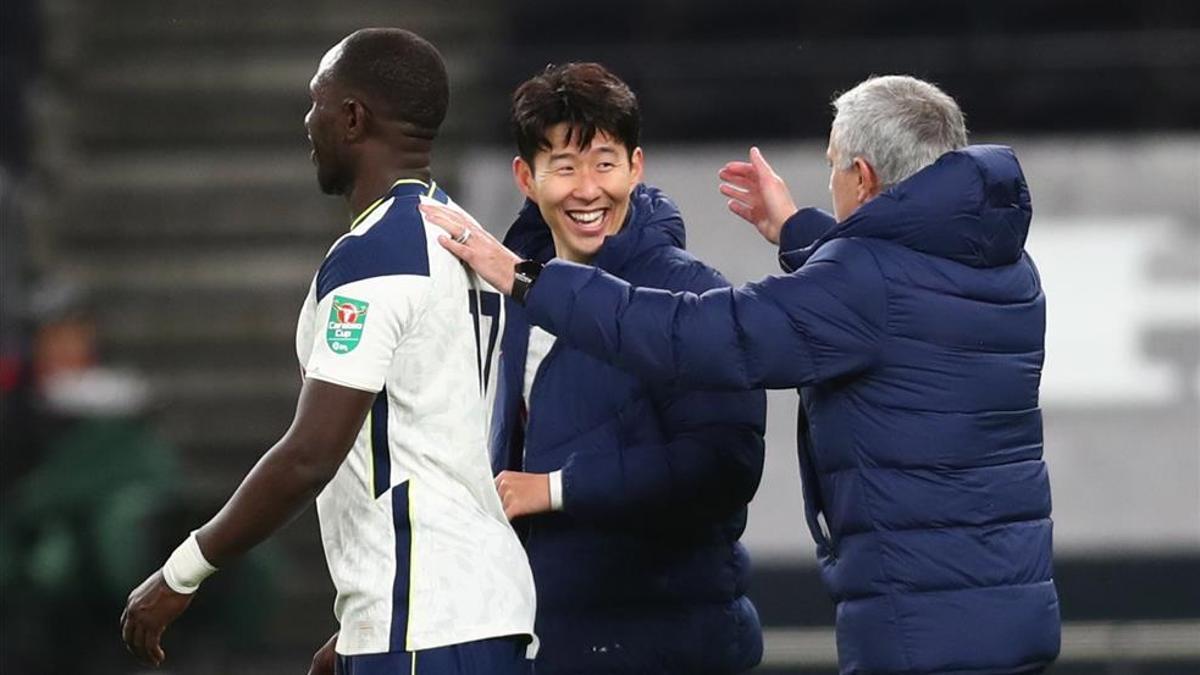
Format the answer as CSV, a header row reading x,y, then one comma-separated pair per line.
x,y
851,269
390,242
855,254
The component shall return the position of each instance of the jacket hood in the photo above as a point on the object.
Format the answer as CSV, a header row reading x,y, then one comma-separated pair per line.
x,y
653,220
971,206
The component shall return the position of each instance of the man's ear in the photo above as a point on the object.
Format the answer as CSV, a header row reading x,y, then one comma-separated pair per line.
x,y
354,117
637,164
868,180
523,177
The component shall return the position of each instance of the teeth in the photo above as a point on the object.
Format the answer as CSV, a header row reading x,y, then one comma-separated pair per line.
x,y
585,216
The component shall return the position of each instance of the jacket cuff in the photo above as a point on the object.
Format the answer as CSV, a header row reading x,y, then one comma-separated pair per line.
x,y
583,491
548,302
556,490
799,232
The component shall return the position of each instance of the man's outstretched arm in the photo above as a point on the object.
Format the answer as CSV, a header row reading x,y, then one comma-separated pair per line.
x,y
820,322
283,482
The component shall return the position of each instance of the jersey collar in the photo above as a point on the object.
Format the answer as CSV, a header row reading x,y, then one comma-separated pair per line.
x,y
401,188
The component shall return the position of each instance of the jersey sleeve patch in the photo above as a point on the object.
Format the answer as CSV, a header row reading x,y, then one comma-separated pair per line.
x,y
347,317
358,327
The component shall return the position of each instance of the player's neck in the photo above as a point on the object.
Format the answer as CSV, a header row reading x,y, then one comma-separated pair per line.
x,y
385,164
373,185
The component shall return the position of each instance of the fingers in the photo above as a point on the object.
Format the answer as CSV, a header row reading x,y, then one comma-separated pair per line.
x,y
760,163
503,483
138,642
745,180
143,640
323,661
506,487
151,648
127,630
449,220
151,607
454,224
734,192
743,204
511,512
747,173
743,171
483,252
511,505
460,251
741,210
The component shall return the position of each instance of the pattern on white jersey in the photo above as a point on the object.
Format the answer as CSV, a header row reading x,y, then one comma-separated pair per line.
x,y
414,533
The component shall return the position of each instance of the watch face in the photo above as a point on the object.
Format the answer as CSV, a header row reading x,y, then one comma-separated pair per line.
x,y
528,268
524,274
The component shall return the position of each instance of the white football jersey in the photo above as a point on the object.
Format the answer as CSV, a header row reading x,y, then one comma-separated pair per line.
x,y
414,532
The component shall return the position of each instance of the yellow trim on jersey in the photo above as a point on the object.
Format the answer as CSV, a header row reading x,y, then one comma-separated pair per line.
x,y
412,561
367,211
414,664
375,204
370,454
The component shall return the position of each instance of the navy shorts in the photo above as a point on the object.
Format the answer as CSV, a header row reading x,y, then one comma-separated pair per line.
x,y
496,656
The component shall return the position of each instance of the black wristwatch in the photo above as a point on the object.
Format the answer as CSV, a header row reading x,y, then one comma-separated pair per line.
x,y
527,272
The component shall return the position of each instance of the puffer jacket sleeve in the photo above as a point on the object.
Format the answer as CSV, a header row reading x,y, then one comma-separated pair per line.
x,y
709,463
823,321
798,233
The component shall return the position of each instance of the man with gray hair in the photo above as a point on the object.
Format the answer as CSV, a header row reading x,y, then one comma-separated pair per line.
x,y
912,322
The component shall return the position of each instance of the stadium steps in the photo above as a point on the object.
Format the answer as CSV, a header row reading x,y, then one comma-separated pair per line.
x,y
179,193
187,75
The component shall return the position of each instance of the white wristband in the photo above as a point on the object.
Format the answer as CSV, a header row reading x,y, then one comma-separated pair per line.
x,y
556,491
186,567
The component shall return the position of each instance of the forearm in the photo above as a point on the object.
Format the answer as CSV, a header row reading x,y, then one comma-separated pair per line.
x,y
725,339
694,477
629,327
287,478
279,487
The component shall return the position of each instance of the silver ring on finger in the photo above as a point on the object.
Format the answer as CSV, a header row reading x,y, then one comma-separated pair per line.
x,y
463,236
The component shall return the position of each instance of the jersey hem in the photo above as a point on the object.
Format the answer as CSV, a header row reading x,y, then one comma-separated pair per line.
x,y
419,644
325,377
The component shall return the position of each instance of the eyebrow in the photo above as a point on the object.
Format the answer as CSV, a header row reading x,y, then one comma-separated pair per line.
x,y
572,154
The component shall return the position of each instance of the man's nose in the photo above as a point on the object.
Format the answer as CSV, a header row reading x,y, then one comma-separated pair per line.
x,y
587,188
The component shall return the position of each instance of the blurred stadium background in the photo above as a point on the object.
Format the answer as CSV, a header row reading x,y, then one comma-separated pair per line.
x,y
161,223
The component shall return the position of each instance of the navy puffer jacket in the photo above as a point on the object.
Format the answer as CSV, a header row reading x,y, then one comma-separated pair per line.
x,y
915,330
642,572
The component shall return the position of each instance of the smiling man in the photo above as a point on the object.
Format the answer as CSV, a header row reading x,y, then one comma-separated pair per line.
x,y
630,497
581,213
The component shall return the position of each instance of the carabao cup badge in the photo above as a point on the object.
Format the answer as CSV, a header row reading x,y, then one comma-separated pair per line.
x,y
346,320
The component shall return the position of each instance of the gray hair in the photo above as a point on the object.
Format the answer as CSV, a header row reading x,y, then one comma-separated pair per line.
x,y
898,124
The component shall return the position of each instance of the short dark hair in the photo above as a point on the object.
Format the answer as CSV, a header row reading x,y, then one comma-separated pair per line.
x,y
400,71
586,96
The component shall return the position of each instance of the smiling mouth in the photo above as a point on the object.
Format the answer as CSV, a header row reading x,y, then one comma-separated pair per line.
x,y
589,219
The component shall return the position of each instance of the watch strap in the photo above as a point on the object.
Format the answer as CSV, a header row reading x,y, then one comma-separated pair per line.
x,y
526,272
